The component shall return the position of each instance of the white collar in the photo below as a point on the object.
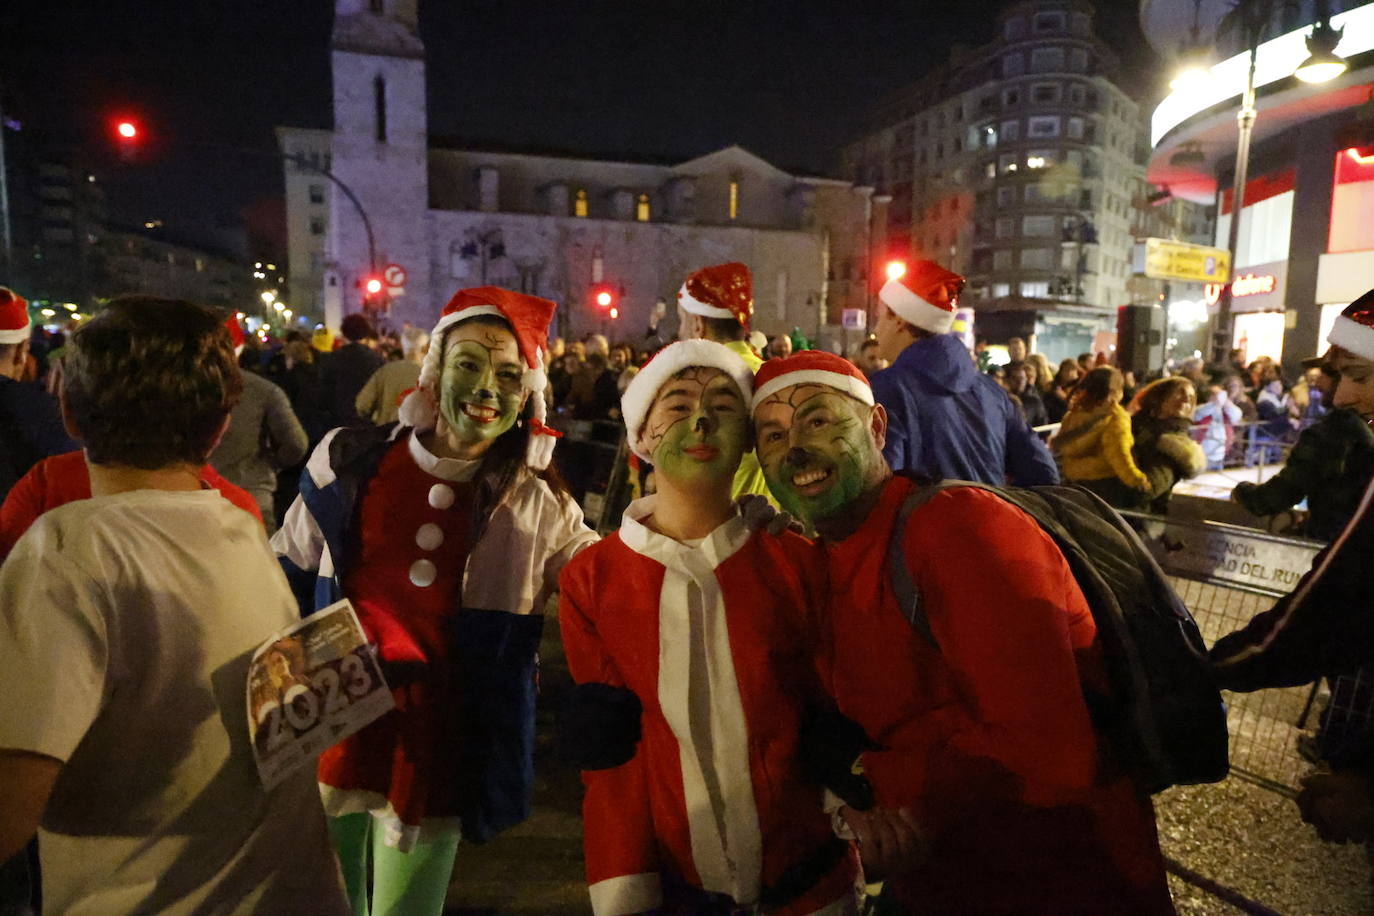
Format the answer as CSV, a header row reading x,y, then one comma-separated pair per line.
x,y
454,470
715,548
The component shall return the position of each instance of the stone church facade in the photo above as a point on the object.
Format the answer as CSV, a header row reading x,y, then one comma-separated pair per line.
x,y
555,226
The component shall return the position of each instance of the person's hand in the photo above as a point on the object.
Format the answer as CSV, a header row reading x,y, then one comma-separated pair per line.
x,y
889,840
758,512
1340,805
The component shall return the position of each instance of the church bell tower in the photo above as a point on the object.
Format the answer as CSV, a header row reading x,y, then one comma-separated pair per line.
x,y
380,152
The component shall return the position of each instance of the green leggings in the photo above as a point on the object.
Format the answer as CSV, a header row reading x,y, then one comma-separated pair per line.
x,y
403,883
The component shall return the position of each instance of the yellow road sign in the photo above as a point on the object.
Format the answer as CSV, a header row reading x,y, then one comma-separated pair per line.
x,y
1163,259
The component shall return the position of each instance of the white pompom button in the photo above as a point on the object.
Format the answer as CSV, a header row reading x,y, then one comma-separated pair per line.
x,y
441,496
429,537
422,573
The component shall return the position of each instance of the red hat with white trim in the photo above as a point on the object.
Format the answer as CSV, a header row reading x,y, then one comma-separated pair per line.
x,y
722,291
811,367
14,317
1354,327
231,324
926,296
672,359
529,318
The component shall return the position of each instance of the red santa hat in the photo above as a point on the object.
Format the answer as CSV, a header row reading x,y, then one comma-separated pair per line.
x,y
722,291
925,295
529,318
14,317
231,324
1354,327
672,359
811,367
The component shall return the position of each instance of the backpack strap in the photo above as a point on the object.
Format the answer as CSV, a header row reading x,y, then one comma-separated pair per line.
x,y
903,584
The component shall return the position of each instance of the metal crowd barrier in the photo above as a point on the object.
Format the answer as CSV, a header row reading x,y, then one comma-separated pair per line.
x,y
1227,574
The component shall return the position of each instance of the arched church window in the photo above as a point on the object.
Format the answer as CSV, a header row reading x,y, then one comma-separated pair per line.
x,y
379,100
580,204
642,208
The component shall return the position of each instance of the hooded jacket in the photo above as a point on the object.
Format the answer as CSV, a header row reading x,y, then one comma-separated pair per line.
x,y
947,420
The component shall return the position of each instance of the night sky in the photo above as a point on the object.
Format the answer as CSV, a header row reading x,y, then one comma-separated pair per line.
x,y
654,78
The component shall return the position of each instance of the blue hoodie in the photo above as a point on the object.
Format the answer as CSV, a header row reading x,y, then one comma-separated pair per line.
x,y
947,420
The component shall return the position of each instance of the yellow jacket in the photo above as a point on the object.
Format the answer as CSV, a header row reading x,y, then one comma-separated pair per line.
x,y
749,477
1096,444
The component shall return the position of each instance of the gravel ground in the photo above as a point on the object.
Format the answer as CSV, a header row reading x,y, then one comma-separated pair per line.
x,y
1251,840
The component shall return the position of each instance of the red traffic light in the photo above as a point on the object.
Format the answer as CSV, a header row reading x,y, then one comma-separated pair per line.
x,y
128,130
896,269
373,286
603,299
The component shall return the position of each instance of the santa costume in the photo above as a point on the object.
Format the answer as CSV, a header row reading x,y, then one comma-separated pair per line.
x,y
452,600
983,730
717,641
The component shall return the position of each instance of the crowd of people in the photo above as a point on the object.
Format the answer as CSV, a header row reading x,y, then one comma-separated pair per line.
x,y
764,721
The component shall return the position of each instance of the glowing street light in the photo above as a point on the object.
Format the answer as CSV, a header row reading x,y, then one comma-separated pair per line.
x,y
267,297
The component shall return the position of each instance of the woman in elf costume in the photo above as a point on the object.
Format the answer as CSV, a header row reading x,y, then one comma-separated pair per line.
x,y
447,532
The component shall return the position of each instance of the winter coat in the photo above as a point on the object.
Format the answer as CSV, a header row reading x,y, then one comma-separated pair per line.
x,y
1330,465
1166,454
946,420
1095,444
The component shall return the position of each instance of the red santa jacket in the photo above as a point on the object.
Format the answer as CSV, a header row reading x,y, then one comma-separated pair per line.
x,y
717,641
987,738
62,479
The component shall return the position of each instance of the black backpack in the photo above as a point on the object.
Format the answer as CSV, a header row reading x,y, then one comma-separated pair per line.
x,y
1165,715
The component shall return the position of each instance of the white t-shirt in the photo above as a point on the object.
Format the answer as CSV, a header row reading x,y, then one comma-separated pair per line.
x,y
126,626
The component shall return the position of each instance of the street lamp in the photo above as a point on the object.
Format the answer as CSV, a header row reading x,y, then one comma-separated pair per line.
x,y
1252,18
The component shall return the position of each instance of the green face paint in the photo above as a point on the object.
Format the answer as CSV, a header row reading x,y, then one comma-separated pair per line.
x,y
816,450
697,429
480,392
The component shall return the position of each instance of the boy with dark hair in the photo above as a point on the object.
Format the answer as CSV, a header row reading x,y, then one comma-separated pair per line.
x,y
126,624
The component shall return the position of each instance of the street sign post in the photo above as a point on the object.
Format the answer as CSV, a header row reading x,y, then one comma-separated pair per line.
x,y
394,276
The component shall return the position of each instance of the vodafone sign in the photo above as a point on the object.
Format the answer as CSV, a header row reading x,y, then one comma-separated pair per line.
x,y
1253,291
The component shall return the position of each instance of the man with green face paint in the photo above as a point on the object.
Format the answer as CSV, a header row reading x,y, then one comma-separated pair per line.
x,y
447,534
705,628
981,736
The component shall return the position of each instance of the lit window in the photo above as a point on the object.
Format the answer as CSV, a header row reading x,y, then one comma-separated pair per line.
x,y
734,198
642,208
580,203
1037,290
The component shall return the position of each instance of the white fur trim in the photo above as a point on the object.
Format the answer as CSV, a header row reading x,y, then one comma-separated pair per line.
x,y
697,307
626,894
16,335
639,394
910,307
1349,334
846,383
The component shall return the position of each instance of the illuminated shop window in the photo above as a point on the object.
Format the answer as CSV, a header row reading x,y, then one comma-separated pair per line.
x,y
1352,201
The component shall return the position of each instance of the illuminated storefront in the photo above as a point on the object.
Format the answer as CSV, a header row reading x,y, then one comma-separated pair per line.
x,y
1306,239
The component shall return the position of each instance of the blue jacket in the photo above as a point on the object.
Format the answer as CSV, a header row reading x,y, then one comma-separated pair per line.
x,y
947,420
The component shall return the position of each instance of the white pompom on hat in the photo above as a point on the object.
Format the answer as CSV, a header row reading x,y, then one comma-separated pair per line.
x,y
529,318
672,359
14,317
926,296
1354,327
